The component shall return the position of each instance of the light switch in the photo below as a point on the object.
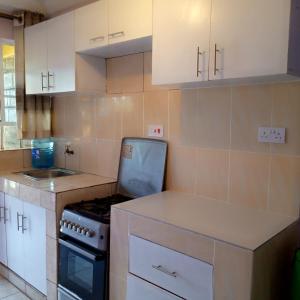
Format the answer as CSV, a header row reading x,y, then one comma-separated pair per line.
x,y
271,135
155,131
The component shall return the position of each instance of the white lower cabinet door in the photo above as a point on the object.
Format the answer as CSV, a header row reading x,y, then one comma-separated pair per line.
x,y
35,246
14,235
178,273
138,289
3,253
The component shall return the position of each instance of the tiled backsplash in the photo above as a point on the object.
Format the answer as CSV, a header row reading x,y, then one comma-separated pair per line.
x,y
15,160
212,134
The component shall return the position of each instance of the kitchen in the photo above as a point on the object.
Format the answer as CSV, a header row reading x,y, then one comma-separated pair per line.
x,y
191,106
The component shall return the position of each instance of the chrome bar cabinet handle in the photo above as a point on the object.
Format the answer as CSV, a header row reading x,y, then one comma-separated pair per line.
x,y
97,38
48,76
18,221
199,53
23,227
116,34
42,77
2,217
164,270
215,67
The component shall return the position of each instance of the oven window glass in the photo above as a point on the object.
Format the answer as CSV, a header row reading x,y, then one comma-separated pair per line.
x,y
82,272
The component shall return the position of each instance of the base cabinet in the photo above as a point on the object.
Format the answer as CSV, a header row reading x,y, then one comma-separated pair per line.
x,y
26,241
3,254
137,288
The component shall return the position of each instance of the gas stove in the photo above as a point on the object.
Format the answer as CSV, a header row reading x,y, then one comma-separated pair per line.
x,y
88,221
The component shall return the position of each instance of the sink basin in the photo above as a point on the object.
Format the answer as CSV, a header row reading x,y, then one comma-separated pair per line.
x,y
48,173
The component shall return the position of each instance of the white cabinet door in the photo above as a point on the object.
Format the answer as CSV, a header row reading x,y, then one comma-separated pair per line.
x,y
181,31
36,59
61,53
129,20
14,235
251,38
91,26
35,246
3,254
138,289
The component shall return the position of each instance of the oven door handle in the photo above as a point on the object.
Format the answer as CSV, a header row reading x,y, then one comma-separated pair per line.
x,y
80,250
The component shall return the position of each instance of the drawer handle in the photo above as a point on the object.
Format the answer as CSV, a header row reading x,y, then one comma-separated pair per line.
x,y
164,270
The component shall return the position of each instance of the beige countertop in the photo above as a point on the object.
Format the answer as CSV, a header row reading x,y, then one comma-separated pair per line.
x,y
220,220
60,184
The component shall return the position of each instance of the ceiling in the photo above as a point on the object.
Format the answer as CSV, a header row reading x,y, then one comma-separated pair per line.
x,y
47,7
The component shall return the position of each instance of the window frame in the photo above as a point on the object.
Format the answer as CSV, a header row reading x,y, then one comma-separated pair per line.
x,y
2,97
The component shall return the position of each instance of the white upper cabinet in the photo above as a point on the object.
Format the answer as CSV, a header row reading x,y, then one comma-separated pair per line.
x,y
36,59
51,64
61,53
236,39
91,26
129,20
180,40
249,38
101,25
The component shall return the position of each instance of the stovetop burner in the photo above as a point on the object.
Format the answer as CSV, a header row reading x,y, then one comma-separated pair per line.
x,y
97,209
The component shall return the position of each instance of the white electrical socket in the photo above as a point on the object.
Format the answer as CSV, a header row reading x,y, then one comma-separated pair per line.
x,y
155,131
271,135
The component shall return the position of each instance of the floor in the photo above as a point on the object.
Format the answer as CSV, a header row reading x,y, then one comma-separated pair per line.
x,y
10,292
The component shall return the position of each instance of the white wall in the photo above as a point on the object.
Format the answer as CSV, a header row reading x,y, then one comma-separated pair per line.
x,y
6,29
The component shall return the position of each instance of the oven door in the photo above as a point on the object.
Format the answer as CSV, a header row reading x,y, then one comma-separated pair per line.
x,y
82,271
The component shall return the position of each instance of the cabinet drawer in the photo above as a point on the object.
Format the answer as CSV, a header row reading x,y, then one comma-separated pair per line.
x,y
180,274
140,289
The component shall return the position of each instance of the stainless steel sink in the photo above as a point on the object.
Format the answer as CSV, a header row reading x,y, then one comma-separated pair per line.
x,y
48,173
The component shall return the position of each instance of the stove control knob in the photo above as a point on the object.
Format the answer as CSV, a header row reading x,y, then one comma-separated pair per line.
x,y
65,223
70,225
89,233
78,229
74,227
83,231
61,222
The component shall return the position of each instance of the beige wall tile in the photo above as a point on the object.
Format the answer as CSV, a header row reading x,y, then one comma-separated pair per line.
x,y
109,117
172,237
181,169
58,116
286,112
132,115
51,257
251,109
72,160
88,155
119,243
30,194
148,73
212,173
156,110
175,108
285,185
125,74
87,114
232,272
249,173
59,158
108,155
11,160
72,124
117,287
51,290
51,223
27,158
206,117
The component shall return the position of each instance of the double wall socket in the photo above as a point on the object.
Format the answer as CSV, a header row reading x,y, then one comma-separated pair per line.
x,y
271,135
